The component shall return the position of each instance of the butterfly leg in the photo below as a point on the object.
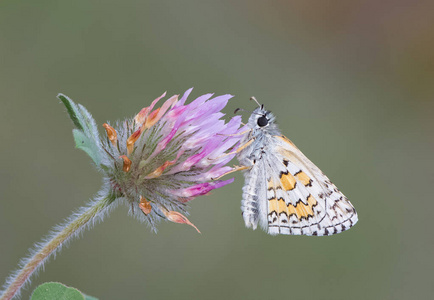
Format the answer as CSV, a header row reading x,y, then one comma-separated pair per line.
x,y
239,149
236,134
235,169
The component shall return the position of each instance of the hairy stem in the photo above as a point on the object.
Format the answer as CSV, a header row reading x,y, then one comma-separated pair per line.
x,y
84,218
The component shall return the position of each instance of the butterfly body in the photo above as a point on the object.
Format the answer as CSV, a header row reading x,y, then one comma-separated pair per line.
x,y
284,192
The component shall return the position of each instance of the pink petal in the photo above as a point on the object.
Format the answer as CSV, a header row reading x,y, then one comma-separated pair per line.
x,y
141,116
201,188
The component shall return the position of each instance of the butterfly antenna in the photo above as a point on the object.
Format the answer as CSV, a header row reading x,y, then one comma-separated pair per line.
x,y
254,99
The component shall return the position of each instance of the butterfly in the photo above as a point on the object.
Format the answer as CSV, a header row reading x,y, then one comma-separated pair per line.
x,y
284,192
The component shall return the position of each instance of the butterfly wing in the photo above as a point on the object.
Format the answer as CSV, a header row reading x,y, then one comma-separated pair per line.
x,y
300,199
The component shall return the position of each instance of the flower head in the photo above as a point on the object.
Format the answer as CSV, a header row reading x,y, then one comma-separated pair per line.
x,y
166,156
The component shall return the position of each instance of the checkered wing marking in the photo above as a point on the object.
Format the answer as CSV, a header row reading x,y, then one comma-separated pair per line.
x,y
301,199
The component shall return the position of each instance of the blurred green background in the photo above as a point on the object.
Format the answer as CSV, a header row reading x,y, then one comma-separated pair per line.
x,y
351,83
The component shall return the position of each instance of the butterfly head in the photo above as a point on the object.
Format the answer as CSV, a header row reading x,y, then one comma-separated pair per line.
x,y
263,121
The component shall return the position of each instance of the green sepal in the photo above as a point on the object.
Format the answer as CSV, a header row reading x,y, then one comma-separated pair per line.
x,y
86,134
58,291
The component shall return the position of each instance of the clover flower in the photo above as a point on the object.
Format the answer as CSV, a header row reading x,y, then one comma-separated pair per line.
x,y
156,162
165,157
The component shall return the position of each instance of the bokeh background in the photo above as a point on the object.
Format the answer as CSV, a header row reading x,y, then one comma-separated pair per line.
x,y
351,83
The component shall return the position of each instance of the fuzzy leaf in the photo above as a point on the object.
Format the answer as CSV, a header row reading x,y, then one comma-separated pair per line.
x,y
58,291
84,143
72,110
86,134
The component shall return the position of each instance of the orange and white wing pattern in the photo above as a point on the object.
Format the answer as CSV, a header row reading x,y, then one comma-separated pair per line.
x,y
301,200
284,192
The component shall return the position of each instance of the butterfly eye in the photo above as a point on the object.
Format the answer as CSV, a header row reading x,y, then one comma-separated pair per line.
x,y
262,121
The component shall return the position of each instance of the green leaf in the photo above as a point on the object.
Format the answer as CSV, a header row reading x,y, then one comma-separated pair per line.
x,y
58,291
86,133
72,110
84,143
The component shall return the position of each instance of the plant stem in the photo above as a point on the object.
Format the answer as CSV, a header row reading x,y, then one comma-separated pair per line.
x,y
83,219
